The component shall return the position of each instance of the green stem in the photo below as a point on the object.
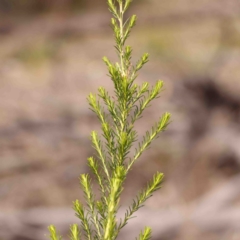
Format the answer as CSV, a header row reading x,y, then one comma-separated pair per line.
x,y
122,36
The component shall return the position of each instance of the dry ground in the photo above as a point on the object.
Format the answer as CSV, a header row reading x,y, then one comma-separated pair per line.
x,y
50,63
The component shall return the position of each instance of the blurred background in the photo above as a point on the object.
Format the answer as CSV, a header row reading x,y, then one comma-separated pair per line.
x,y
50,60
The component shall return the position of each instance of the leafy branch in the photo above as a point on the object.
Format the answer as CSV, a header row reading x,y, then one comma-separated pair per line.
x,y
117,115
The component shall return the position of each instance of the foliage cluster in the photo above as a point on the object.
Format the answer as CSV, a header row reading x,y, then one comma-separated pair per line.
x,y
117,115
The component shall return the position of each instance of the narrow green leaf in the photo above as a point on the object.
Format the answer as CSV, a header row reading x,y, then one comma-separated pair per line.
x,y
75,232
53,233
146,234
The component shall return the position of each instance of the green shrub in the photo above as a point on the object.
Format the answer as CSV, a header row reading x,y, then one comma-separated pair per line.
x,y
117,117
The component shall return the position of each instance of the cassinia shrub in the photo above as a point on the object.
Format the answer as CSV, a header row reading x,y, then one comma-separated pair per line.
x,y
113,163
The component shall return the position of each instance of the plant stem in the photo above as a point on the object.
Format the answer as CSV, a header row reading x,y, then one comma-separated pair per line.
x,y
121,13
